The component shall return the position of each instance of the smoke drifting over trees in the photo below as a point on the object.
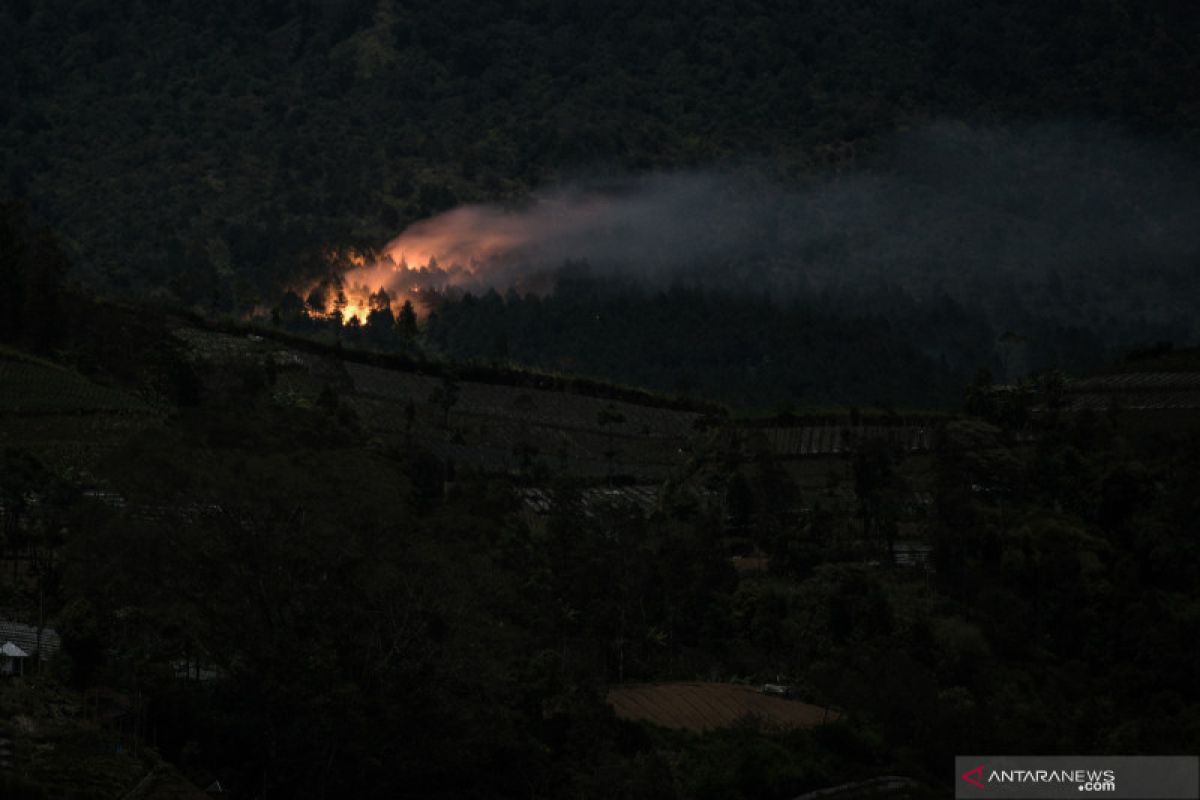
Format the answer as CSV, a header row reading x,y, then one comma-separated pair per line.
x,y
1052,220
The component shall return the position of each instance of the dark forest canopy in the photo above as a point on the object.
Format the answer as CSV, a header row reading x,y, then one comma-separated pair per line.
x,y
873,347
207,149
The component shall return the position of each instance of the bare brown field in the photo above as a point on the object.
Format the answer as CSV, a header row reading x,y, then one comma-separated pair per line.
x,y
705,706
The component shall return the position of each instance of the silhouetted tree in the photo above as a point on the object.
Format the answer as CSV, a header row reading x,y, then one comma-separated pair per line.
x,y
406,321
32,267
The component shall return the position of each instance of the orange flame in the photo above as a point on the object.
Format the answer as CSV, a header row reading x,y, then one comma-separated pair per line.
x,y
470,246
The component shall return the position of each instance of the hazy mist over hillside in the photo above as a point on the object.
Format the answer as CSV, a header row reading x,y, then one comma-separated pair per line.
x,y
1068,222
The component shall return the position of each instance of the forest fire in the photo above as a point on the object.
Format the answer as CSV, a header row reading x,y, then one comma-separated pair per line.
x,y
354,303
467,237
473,247
650,227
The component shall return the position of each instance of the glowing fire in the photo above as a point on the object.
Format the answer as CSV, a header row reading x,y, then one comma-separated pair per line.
x,y
652,226
355,309
472,247
353,303
467,237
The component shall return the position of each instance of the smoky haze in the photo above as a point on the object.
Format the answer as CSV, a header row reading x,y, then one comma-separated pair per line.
x,y
662,225
1076,224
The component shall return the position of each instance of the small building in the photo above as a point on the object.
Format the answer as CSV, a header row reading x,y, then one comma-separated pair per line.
x,y
39,644
12,659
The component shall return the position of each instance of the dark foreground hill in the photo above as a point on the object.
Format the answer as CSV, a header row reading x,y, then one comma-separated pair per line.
x,y
308,573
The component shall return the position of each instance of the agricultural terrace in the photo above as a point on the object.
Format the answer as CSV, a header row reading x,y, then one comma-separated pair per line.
x,y
61,416
500,427
1137,391
33,387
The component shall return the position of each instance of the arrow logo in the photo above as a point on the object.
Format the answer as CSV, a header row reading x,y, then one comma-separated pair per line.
x,y
974,776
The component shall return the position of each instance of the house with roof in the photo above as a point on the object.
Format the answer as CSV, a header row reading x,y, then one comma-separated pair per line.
x,y
39,644
12,659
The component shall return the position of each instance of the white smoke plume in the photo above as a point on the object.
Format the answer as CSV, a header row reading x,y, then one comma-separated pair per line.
x,y
1071,216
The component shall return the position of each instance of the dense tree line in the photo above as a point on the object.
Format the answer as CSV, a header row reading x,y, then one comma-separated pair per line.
x,y
747,350
32,268
866,346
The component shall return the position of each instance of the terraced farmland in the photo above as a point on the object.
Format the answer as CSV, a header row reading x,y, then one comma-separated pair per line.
x,y
62,417
494,427
833,439
490,425
215,346
30,387
1136,391
557,409
705,706
505,426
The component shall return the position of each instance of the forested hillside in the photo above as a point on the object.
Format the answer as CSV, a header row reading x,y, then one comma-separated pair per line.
x,y
208,150
432,399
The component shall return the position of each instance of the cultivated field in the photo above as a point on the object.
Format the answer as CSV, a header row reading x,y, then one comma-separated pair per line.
x,y
704,706
557,409
62,417
505,428
1136,391
491,425
833,439
30,387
